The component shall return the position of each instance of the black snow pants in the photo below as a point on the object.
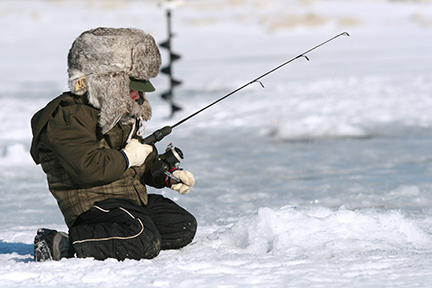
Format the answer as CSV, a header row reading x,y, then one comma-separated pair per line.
x,y
120,228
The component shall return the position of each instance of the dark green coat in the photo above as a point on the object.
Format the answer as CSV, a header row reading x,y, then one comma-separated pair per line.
x,y
82,165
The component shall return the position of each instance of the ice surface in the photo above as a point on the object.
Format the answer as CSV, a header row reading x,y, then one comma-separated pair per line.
x,y
321,179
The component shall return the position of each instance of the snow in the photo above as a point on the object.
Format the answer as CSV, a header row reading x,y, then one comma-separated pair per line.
x,y
320,179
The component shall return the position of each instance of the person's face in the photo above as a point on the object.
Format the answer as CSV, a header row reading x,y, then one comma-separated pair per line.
x,y
139,106
134,95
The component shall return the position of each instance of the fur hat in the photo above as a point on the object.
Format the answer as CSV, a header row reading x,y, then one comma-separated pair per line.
x,y
101,62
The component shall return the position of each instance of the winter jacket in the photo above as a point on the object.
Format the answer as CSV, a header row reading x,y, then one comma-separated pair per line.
x,y
82,165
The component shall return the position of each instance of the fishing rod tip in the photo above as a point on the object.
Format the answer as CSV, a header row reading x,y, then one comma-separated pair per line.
x,y
346,34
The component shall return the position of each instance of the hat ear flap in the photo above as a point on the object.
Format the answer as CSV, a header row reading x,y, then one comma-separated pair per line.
x,y
110,93
78,86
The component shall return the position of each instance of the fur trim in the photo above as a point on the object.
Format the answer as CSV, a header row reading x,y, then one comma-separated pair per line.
x,y
100,63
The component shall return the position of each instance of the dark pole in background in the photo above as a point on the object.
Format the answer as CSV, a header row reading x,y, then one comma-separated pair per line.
x,y
169,95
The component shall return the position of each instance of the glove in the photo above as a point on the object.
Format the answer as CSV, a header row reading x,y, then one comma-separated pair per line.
x,y
187,181
136,153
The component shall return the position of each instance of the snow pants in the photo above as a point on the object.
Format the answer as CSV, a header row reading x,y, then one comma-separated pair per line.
x,y
120,228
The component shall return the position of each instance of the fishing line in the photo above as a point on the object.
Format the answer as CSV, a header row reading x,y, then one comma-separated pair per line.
x,y
332,79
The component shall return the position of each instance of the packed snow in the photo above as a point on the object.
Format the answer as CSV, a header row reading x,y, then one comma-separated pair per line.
x,y
320,179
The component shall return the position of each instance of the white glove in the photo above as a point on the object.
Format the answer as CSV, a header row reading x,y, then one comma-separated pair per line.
x,y
136,152
187,181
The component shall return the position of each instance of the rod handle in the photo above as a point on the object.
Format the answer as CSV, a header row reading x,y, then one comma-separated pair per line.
x,y
157,136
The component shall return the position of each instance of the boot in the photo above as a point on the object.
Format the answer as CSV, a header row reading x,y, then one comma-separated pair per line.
x,y
51,245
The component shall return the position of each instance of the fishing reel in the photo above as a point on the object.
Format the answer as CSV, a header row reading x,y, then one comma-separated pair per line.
x,y
167,161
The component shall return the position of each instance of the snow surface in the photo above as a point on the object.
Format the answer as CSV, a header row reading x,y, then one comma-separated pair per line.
x,y
321,179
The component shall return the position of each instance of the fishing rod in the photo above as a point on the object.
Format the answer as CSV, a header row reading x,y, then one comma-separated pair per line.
x,y
158,135
171,158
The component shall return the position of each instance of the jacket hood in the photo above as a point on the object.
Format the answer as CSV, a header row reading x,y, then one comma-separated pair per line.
x,y
41,118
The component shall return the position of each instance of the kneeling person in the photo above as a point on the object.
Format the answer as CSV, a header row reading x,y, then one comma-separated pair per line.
x,y
87,142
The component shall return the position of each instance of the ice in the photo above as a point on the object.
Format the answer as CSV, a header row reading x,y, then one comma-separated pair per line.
x,y
320,179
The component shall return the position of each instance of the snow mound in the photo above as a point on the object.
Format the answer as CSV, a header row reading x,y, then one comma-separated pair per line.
x,y
312,127
319,233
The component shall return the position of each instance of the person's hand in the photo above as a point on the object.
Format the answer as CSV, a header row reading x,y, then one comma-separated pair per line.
x,y
187,181
136,153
